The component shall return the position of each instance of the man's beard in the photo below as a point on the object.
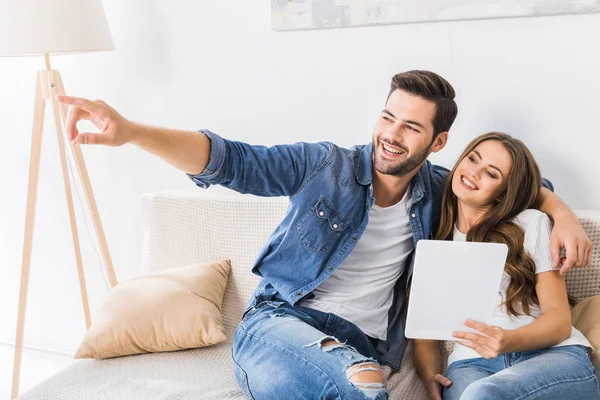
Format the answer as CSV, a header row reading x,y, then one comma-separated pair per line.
x,y
403,167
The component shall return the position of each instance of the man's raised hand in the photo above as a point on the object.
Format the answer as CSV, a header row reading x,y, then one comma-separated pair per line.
x,y
115,130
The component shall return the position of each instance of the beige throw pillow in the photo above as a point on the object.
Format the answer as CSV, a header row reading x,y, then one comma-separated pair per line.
x,y
586,318
171,310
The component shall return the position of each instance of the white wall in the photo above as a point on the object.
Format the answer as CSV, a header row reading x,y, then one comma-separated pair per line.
x,y
217,64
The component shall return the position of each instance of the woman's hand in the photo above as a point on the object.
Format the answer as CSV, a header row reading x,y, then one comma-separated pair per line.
x,y
434,386
494,341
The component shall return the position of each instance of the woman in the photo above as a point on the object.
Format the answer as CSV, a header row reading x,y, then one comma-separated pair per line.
x,y
530,350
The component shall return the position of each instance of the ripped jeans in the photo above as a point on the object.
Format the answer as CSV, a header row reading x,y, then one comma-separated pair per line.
x,y
285,352
556,373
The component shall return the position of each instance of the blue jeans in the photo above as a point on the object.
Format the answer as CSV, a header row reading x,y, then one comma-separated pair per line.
x,y
564,373
278,353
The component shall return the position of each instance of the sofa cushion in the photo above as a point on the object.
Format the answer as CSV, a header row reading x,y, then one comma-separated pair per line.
x,y
204,373
181,228
170,310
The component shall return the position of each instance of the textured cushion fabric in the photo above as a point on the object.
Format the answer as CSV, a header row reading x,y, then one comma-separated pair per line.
x,y
586,318
203,373
176,309
585,282
189,227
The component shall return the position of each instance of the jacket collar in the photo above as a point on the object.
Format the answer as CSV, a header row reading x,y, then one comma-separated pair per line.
x,y
364,166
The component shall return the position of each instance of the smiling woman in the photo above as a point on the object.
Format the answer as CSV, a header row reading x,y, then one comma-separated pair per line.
x,y
482,175
488,199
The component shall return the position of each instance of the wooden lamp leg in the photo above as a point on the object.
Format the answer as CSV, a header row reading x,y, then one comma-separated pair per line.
x,y
49,83
34,168
89,195
52,79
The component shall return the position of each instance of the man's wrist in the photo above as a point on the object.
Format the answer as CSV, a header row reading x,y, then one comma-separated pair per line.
x,y
135,132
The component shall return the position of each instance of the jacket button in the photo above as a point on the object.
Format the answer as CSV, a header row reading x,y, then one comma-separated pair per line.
x,y
331,267
414,215
335,226
298,293
354,238
321,213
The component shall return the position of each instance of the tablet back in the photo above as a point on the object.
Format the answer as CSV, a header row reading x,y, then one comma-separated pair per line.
x,y
452,282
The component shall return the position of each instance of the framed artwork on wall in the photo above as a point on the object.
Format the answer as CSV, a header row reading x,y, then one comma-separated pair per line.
x,y
319,14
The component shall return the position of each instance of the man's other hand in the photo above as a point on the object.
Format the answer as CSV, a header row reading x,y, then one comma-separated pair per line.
x,y
569,234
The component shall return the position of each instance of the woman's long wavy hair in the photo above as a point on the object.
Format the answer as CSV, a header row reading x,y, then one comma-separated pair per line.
x,y
523,186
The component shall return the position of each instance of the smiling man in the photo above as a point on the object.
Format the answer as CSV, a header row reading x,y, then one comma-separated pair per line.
x,y
330,309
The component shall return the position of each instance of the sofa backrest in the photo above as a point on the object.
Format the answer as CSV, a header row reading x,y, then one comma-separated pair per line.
x,y
181,228
585,282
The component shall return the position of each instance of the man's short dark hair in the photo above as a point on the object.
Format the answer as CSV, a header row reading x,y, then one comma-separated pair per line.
x,y
432,87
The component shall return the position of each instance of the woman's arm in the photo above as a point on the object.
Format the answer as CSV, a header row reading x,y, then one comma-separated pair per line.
x,y
428,362
550,328
554,325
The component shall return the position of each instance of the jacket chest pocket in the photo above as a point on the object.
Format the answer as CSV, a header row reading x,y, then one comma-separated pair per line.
x,y
321,227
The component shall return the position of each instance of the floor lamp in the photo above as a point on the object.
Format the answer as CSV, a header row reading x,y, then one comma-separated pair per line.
x,y
44,28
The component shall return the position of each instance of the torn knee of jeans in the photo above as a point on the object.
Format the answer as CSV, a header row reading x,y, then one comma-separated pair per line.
x,y
326,343
367,375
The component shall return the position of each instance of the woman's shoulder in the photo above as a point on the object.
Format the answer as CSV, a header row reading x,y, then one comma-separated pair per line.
x,y
531,218
537,228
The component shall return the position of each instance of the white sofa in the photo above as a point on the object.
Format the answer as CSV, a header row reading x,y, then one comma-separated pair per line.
x,y
184,228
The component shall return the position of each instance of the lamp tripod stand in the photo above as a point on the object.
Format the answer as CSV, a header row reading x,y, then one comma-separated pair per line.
x,y
49,84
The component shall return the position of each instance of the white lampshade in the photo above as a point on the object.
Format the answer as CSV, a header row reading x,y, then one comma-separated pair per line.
x,y
30,27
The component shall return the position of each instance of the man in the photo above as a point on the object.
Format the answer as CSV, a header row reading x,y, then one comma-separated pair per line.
x,y
330,308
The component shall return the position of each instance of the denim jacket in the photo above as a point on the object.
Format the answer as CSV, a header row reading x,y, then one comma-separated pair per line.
x,y
330,190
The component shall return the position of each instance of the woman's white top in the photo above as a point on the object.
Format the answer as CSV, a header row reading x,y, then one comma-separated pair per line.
x,y
537,228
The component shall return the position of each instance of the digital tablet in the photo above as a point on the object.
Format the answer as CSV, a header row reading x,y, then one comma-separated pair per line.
x,y
453,281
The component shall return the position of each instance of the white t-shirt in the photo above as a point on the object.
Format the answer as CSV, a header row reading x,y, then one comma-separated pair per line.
x,y
361,289
537,228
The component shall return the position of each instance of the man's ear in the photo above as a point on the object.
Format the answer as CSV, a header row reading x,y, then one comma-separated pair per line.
x,y
439,142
